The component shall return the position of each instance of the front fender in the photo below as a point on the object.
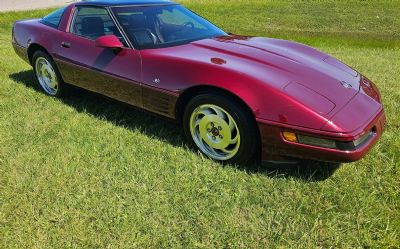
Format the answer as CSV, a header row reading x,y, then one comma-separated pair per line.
x,y
265,98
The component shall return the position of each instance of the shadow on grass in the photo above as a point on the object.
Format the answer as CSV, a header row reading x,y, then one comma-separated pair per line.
x,y
154,126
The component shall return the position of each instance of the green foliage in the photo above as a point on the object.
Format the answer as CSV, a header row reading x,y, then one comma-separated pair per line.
x,y
85,171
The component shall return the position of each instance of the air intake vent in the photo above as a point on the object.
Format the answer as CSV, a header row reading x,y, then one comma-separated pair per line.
x,y
159,102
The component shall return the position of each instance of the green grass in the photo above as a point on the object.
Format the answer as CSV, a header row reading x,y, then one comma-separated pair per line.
x,y
84,171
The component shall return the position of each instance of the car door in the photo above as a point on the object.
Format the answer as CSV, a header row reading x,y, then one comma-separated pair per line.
x,y
104,70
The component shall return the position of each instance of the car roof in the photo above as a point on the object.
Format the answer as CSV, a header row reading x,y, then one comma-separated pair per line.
x,y
123,2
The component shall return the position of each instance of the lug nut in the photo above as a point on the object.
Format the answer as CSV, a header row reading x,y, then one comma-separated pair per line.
x,y
220,136
219,128
212,124
213,137
208,129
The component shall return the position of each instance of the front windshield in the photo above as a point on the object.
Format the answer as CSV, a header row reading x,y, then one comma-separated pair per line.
x,y
163,25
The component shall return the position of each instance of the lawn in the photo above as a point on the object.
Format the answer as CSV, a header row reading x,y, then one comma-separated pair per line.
x,y
85,171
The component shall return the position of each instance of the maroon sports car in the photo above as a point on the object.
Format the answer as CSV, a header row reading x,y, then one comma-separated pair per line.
x,y
236,96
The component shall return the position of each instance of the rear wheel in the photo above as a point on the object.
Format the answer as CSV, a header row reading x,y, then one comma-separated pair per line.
x,y
221,128
47,74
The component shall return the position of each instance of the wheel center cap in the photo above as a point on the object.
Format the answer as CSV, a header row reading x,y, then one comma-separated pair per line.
x,y
215,131
211,131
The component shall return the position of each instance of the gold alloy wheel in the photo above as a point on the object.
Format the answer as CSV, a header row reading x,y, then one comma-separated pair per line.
x,y
215,132
46,76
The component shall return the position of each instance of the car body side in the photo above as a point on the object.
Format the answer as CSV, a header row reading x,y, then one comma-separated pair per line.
x,y
170,76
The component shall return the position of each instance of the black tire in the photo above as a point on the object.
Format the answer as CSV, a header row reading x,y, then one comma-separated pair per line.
x,y
60,83
249,135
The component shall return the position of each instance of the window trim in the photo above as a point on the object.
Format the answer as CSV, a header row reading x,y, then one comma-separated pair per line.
x,y
143,5
75,13
49,24
179,43
121,30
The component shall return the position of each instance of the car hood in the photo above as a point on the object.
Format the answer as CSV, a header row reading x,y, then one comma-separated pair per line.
x,y
313,78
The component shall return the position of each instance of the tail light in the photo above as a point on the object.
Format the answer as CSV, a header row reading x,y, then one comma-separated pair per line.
x,y
12,33
370,89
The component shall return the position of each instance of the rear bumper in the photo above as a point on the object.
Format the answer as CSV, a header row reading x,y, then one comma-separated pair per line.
x,y
276,148
22,52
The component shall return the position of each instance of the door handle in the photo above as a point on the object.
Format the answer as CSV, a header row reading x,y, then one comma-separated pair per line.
x,y
65,44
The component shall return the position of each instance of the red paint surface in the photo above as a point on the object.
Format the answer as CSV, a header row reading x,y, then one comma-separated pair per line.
x,y
287,85
108,41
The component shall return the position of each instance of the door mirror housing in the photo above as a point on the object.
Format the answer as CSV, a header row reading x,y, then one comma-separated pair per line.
x,y
108,41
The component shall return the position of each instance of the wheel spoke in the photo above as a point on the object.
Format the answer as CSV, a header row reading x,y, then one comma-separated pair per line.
x,y
219,113
197,123
226,151
231,125
234,140
211,148
205,112
43,71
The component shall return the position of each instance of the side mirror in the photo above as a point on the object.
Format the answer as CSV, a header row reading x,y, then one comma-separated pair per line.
x,y
108,41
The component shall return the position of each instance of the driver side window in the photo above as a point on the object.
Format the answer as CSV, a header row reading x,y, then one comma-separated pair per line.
x,y
93,22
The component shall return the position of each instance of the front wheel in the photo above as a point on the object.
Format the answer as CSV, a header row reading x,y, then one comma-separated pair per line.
x,y
221,128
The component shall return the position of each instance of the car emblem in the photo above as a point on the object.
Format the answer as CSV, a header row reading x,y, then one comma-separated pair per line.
x,y
345,84
156,81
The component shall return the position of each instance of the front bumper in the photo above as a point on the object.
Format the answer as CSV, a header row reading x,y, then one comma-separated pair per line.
x,y
276,148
